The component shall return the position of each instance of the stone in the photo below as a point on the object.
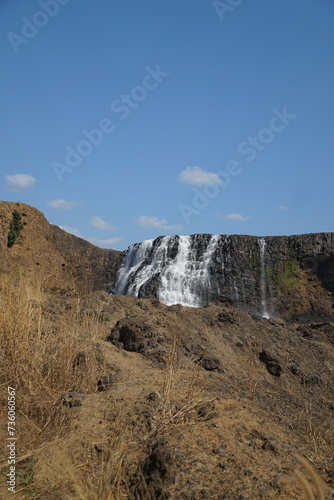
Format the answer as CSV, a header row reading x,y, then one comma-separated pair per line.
x,y
175,307
268,446
73,399
80,359
312,379
272,362
277,321
101,447
294,369
133,334
212,365
104,383
154,396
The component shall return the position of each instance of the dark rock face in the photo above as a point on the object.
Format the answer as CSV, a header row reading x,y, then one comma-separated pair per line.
x,y
289,276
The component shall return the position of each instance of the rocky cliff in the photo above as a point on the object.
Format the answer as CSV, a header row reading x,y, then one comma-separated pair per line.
x,y
282,275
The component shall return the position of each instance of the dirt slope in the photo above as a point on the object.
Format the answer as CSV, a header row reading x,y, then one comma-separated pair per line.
x,y
48,253
206,403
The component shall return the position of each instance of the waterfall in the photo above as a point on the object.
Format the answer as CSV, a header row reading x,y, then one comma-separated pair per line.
x,y
135,259
198,269
183,277
175,277
263,288
186,280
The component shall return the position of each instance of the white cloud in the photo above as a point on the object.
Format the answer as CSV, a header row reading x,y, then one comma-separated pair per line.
x,y
101,224
197,176
62,204
237,217
20,181
154,222
72,230
283,207
109,242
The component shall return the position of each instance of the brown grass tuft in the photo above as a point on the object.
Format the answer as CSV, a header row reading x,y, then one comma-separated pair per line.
x,y
313,488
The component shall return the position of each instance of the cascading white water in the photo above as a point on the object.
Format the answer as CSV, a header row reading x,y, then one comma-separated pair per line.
x,y
172,289
264,312
135,258
184,279
195,270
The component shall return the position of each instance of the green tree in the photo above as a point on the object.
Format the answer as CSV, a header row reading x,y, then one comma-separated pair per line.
x,y
15,228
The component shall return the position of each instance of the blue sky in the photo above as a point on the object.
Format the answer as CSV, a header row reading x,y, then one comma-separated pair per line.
x,y
123,120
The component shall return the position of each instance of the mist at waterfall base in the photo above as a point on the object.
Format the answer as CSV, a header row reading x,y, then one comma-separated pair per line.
x,y
191,271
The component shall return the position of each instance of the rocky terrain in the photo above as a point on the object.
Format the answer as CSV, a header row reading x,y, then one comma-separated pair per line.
x,y
151,401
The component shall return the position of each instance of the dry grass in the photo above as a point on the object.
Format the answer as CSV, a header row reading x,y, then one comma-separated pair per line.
x,y
39,357
108,478
168,414
107,482
313,487
41,336
40,339
319,431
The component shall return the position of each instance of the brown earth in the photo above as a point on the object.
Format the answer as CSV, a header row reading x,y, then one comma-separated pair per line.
x,y
246,398
58,259
188,403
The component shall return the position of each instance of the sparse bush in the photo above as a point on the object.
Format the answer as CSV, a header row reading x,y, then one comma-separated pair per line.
x,y
15,228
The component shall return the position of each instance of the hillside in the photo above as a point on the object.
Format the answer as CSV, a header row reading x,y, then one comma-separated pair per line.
x,y
124,397
59,259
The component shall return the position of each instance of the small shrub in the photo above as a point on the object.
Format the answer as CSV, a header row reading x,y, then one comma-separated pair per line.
x,y
15,228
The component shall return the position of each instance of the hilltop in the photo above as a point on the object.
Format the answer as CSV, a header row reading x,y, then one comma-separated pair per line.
x,y
59,259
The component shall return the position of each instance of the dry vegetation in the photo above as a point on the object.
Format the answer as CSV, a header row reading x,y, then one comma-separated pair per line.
x,y
45,355
51,345
40,358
